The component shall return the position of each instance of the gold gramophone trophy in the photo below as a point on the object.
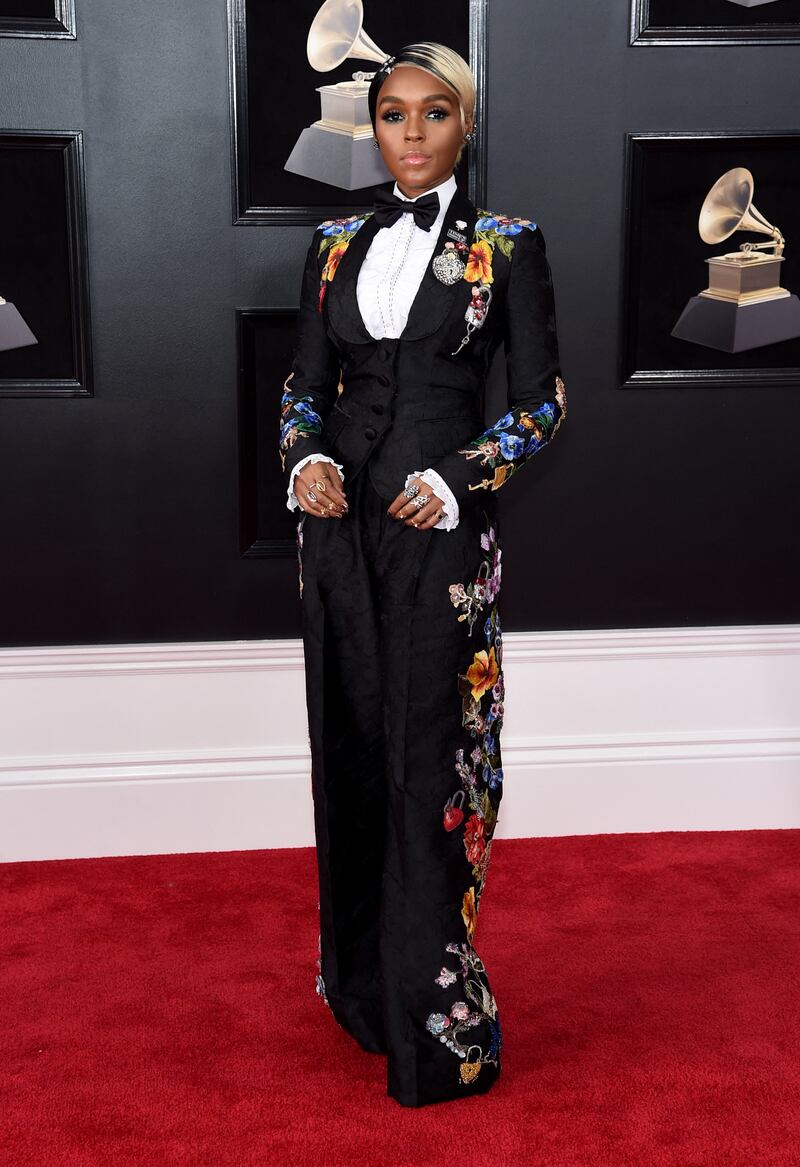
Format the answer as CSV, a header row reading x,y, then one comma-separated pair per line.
x,y
337,148
744,305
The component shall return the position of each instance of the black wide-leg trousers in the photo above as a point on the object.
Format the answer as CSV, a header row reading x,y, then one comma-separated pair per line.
x,y
404,683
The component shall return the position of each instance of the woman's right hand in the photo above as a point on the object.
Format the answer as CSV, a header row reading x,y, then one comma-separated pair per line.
x,y
324,482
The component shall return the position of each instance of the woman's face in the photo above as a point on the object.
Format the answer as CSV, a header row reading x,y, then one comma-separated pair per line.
x,y
418,127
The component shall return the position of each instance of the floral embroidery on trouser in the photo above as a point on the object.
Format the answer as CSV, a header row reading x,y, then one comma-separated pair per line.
x,y
299,542
318,981
474,806
454,1030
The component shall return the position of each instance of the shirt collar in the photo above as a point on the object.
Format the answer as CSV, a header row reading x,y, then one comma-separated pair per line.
x,y
445,190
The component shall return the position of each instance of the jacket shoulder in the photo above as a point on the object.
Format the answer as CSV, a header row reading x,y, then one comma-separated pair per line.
x,y
504,224
337,231
347,224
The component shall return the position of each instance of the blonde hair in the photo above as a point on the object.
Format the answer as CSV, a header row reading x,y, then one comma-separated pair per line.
x,y
444,63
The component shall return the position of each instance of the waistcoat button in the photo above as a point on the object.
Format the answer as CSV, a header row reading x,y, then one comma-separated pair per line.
x,y
369,432
383,379
376,408
383,354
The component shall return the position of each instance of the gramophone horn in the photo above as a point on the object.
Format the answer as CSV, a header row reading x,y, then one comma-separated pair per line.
x,y
337,33
728,207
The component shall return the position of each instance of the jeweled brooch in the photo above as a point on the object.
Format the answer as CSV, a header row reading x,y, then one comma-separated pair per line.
x,y
476,312
449,267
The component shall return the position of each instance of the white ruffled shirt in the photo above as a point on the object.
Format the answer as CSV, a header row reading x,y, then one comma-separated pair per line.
x,y
388,282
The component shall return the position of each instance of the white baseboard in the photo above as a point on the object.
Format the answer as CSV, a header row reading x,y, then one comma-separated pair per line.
x,y
610,731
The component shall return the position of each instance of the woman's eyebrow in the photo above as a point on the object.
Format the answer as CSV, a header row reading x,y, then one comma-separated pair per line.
x,y
430,97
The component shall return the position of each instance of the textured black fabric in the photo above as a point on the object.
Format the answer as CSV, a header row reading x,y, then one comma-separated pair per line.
x,y
384,652
401,633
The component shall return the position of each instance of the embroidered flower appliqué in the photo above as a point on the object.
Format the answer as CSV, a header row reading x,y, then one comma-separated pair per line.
x,y
298,418
319,983
482,690
492,230
474,807
484,587
514,438
457,1029
336,236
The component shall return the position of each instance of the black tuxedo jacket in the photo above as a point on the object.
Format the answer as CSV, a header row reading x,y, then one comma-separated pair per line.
x,y
408,403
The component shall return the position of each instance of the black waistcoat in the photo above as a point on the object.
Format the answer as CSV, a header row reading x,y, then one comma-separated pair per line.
x,y
406,401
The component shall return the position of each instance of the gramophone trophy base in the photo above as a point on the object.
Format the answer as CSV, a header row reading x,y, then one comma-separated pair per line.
x,y
336,157
345,104
734,328
338,148
14,332
751,3
745,277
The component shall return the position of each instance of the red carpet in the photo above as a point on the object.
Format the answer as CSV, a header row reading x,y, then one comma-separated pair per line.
x,y
161,1010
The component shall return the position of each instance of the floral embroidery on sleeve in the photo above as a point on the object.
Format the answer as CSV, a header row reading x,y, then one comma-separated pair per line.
x,y
514,438
298,418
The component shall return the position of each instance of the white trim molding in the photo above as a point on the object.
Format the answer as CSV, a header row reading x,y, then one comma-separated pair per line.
x,y
176,747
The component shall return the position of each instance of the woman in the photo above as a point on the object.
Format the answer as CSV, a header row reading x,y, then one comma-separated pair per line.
x,y
384,448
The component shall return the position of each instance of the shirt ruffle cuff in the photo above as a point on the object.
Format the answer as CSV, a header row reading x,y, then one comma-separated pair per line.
x,y
292,501
438,485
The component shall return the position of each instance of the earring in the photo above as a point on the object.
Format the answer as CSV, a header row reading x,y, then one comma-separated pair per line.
x,y
470,136
375,143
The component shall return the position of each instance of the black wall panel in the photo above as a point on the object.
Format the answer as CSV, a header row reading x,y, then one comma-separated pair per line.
x,y
120,511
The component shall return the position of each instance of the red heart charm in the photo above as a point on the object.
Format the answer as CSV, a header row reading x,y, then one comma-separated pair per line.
x,y
453,815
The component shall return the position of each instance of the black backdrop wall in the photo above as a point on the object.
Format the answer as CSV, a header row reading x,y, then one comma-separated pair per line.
x,y
654,506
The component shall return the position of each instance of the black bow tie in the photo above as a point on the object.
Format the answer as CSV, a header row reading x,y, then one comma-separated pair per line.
x,y
389,208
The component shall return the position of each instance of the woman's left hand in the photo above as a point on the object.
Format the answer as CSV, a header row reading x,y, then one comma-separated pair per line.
x,y
423,518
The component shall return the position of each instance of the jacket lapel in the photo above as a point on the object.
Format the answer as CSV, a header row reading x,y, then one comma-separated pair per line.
x,y
433,299
342,304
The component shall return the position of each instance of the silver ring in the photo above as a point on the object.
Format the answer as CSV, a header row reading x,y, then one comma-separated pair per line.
x,y
420,501
310,495
411,490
